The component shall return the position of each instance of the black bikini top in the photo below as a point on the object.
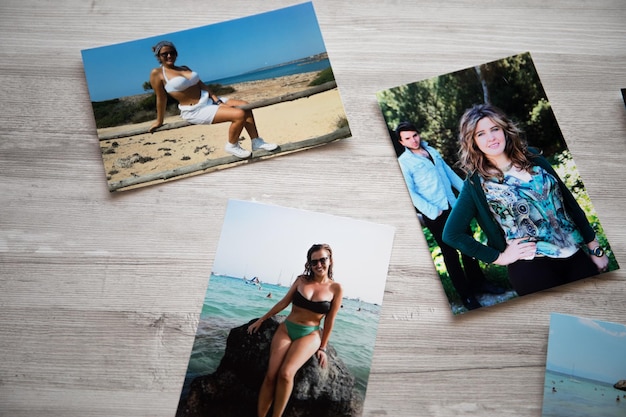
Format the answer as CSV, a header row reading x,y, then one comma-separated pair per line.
x,y
321,307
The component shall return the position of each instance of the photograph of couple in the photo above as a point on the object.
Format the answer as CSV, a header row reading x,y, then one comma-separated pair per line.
x,y
496,190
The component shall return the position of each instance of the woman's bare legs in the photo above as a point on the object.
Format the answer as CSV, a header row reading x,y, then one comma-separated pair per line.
x,y
286,357
249,123
238,119
278,350
298,353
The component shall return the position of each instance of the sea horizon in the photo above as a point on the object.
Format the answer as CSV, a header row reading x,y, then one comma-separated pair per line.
x,y
293,67
579,376
306,64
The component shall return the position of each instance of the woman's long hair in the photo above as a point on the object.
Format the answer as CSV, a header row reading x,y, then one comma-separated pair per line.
x,y
308,273
472,160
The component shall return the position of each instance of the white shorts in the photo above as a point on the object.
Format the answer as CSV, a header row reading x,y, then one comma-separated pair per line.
x,y
201,113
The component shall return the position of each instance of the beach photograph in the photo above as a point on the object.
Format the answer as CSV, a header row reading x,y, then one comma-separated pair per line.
x,y
585,368
153,127
256,264
535,199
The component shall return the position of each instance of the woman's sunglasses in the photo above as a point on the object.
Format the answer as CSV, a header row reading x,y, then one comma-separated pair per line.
x,y
314,262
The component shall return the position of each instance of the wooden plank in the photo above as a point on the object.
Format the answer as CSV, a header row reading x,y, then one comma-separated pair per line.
x,y
290,97
212,164
262,103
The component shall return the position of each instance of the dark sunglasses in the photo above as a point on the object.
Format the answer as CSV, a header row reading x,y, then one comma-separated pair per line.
x,y
164,54
314,262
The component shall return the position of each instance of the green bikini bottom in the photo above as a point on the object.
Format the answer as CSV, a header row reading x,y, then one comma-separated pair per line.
x,y
296,331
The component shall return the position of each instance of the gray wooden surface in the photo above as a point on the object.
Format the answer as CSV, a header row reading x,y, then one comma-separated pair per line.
x,y
100,293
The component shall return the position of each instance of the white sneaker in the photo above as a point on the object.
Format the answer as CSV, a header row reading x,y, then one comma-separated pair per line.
x,y
259,143
238,151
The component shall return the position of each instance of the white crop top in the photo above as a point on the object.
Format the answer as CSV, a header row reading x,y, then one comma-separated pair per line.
x,y
180,83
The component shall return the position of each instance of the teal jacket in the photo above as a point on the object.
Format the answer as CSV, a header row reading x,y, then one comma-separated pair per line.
x,y
472,203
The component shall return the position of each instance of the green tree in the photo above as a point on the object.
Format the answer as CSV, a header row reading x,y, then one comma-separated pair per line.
x,y
436,105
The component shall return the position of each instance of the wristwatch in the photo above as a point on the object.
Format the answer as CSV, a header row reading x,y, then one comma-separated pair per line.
x,y
597,251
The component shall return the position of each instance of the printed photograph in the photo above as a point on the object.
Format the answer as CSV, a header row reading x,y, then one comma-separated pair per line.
x,y
290,315
493,184
585,368
213,97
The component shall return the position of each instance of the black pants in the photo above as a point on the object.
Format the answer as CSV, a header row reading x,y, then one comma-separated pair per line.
x,y
543,272
466,277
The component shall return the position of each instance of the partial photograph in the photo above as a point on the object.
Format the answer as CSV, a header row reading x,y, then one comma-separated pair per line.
x,y
585,368
290,315
493,184
217,96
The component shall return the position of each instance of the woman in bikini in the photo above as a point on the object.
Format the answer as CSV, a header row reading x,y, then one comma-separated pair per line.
x,y
314,296
197,104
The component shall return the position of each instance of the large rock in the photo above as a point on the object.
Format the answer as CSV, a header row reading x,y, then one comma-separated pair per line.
x,y
621,384
232,391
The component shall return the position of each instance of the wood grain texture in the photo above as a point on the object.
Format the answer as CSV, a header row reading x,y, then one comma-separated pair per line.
x,y
100,293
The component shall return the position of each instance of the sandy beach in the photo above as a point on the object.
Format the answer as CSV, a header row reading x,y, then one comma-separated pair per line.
x,y
288,122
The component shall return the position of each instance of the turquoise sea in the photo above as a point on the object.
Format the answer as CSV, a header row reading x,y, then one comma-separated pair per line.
x,y
290,68
231,302
580,397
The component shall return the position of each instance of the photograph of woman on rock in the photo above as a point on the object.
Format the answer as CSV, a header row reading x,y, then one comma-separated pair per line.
x,y
314,296
306,351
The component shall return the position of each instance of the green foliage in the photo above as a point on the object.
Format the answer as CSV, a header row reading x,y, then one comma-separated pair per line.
x,y
119,112
110,113
148,103
565,167
493,273
324,76
436,105
219,89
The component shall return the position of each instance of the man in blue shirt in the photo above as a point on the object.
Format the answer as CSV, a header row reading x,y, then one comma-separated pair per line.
x,y
430,182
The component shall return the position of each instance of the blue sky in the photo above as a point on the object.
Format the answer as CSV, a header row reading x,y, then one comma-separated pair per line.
x,y
271,242
215,51
587,348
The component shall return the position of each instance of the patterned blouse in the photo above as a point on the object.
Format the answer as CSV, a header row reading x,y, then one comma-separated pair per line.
x,y
533,209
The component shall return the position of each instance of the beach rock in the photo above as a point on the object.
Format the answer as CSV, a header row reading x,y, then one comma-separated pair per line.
x,y
621,384
233,389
